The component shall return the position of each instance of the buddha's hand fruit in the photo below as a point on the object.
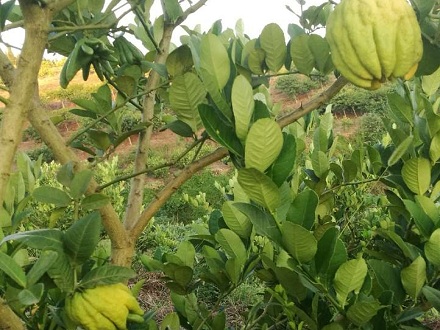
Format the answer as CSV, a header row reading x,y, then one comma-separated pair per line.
x,y
374,40
104,307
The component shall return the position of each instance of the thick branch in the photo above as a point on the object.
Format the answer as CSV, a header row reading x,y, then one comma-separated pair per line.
x,y
135,198
220,153
9,320
23,86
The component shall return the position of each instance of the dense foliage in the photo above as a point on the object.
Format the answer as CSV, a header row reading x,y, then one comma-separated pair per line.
x,y
335,235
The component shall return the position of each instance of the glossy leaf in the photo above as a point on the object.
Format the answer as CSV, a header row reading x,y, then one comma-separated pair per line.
x,y
401,108
107,274
303,208
236,220
51,195
264,223
433,296
180,275
220,130
46,259
282,166
363,311
79,183
242,98
263,144
81,238
214,60
12,269
186,94
179,61
31,295
320,163
299,242
260,188
39,239
434,148
301,54
186,253
421,219
331,253
400,150
321,52
416,173
273,43
349,277
387,277
413,277
432,248
94,201
232,244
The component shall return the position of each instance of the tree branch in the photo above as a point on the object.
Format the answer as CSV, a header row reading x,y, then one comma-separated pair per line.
x,y
160,199
192,9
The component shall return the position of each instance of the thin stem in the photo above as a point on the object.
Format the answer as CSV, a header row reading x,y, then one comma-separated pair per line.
x,y
153,169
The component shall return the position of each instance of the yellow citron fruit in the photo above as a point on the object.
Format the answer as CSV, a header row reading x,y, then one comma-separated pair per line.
x,y
104,307
374,40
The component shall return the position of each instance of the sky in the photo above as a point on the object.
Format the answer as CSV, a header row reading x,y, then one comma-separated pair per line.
x,y
255,14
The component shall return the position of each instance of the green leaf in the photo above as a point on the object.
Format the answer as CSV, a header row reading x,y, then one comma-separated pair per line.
x,y
431,83
214,59
363,311
274,45
179,127
220,130
256,62
104,275
51,195
179,61
400,108
100,139
263,144
170,322
301,54
44,262
242,98
282,166
406,248
432,248
400,150
236,220
94,201
232,244
172,10
264,223
182,275
330,254
387,277
302,211
421,219
186,94
79,183
65,174
32,295
320,164
416,174
233,268
413,277
350,170
349,277
299,242
81,238
259,187
61,272
434,148
12,269
320,49
39,239
433,296
186,253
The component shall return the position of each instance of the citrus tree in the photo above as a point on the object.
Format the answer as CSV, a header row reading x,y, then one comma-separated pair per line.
x,y
283,222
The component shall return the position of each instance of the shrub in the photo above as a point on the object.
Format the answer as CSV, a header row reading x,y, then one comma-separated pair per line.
x,y
359,101
294,85
44,150
371,128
